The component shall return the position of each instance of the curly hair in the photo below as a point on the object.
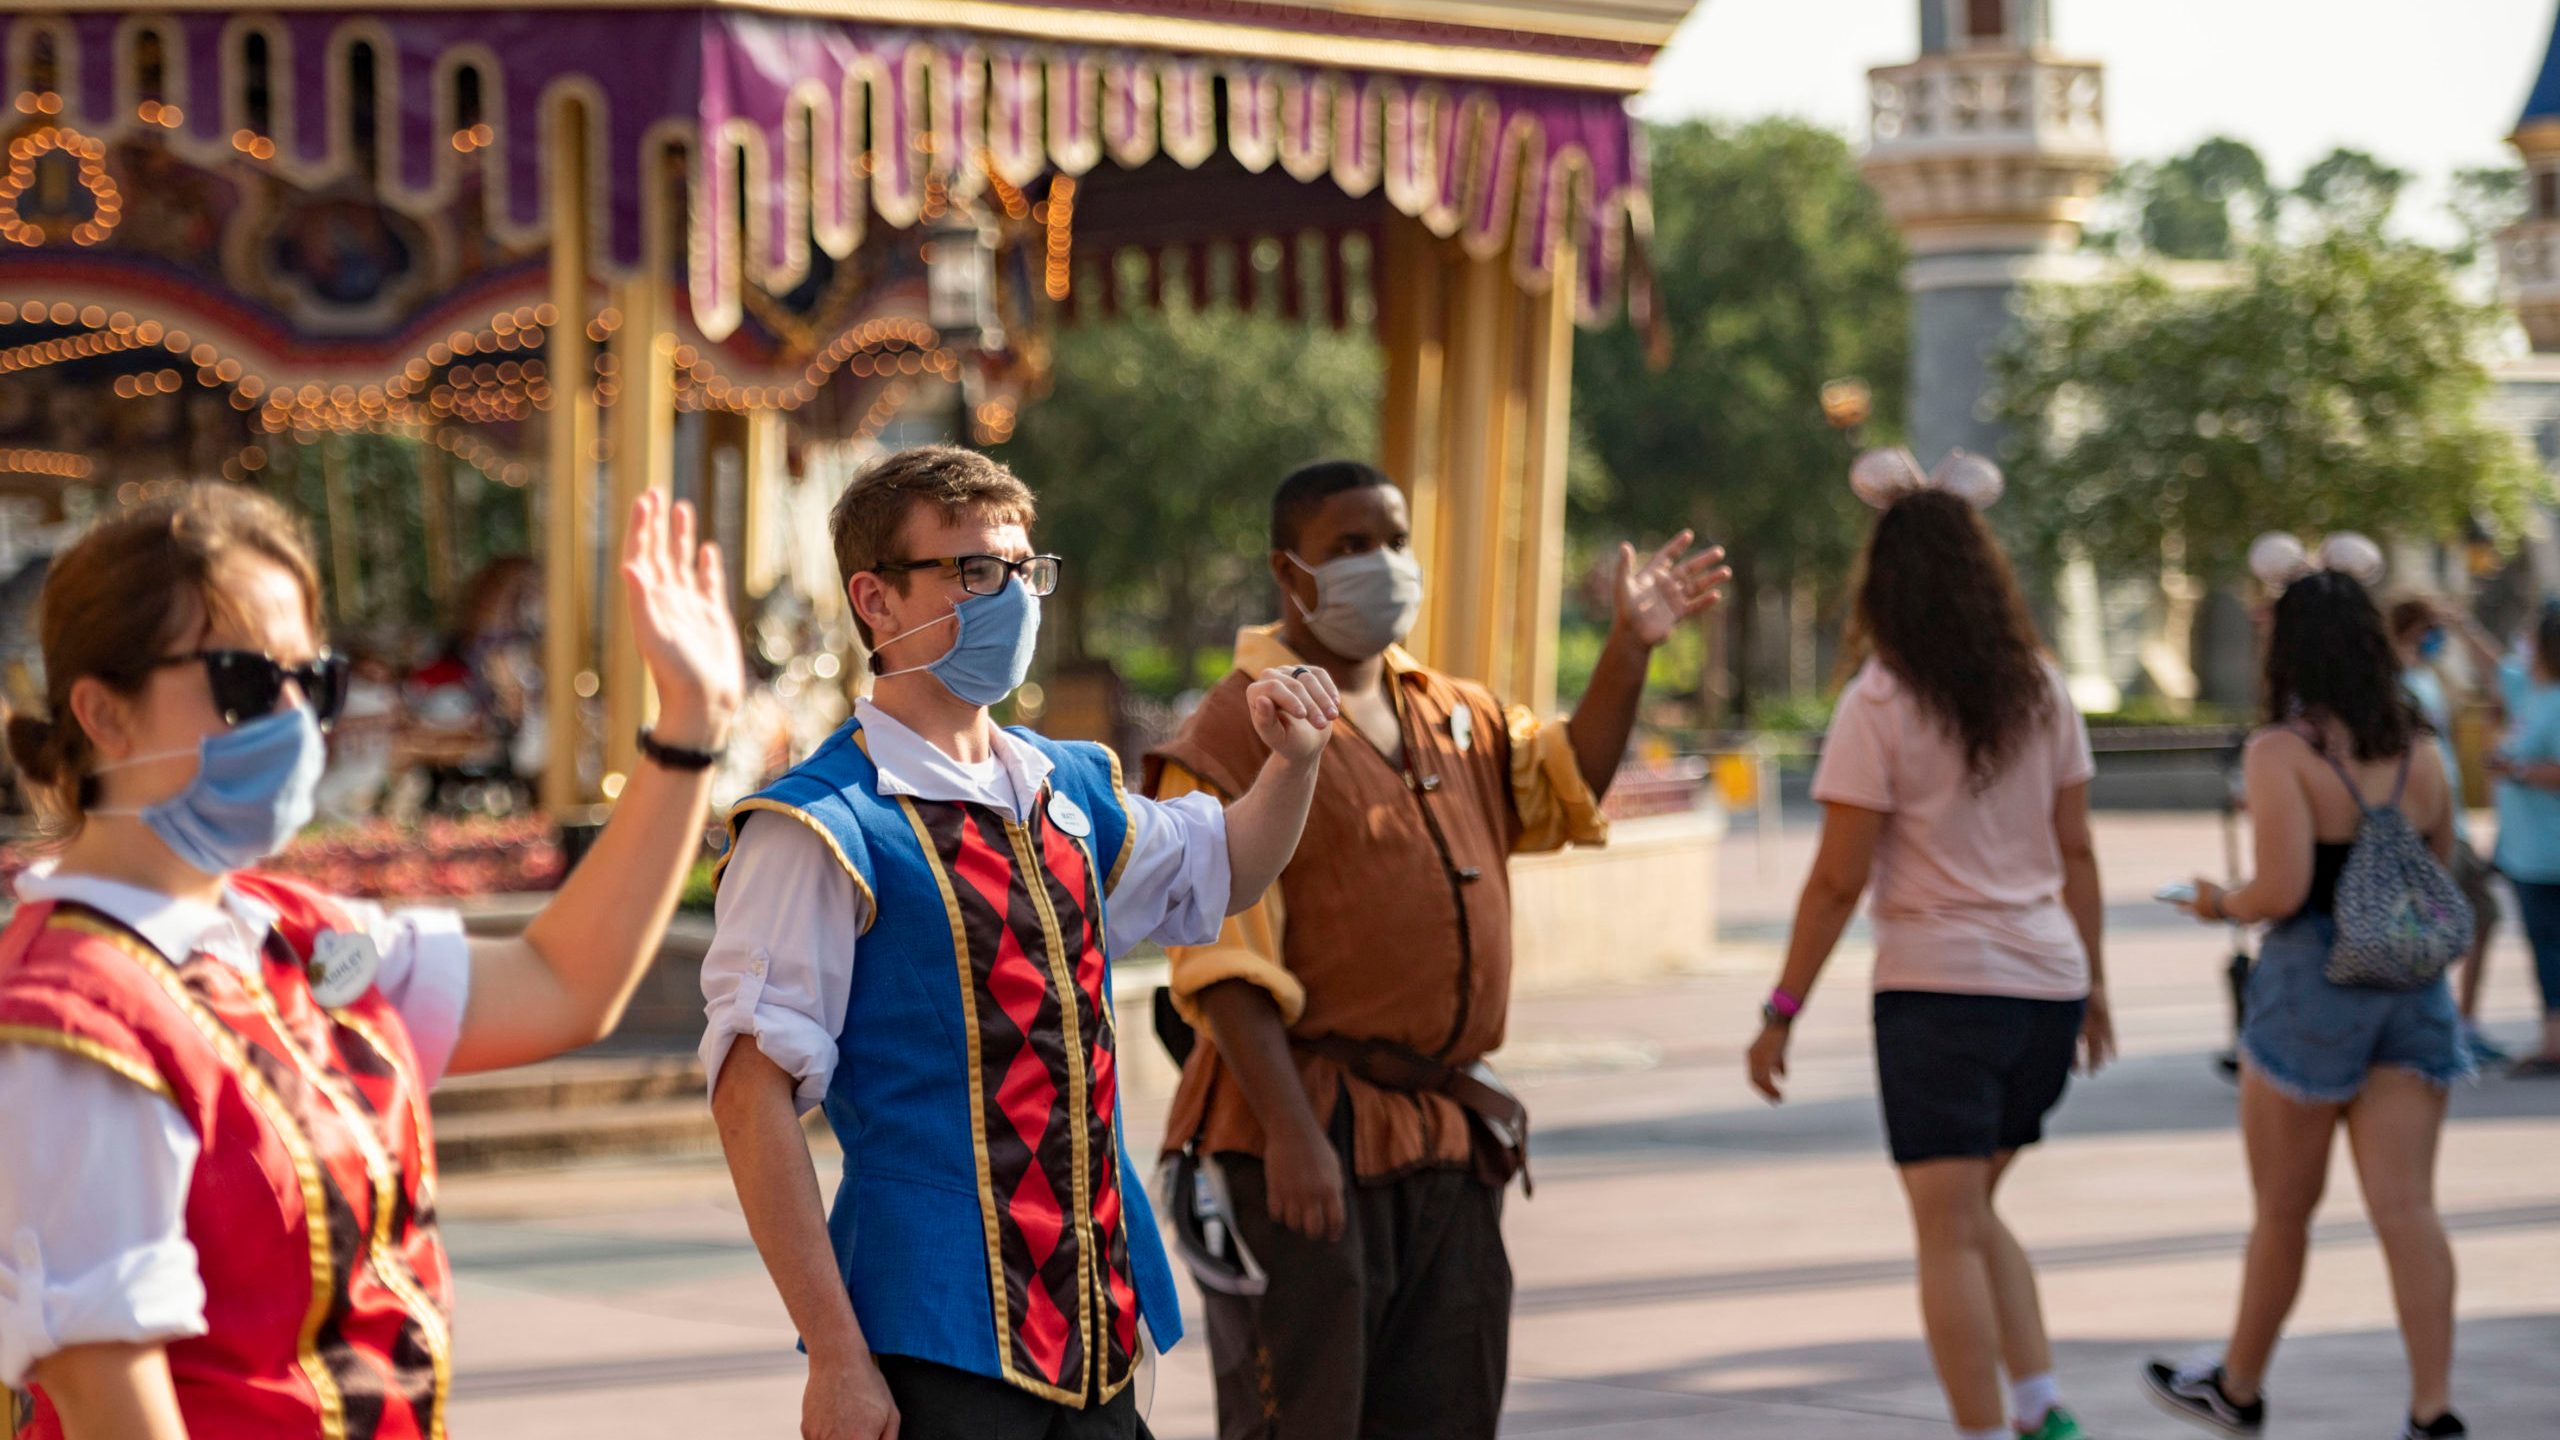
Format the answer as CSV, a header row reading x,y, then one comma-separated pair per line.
x,y
1938,604
2330,657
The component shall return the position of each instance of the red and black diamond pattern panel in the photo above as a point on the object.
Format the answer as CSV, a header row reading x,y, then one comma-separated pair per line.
x,y
1045,1103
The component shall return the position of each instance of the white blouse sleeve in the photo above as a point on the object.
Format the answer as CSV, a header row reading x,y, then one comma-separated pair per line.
x,y
1176,885
426,975
780,966
94,1172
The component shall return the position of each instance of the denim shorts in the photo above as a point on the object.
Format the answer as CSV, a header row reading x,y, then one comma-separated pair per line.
x,y
2317,1041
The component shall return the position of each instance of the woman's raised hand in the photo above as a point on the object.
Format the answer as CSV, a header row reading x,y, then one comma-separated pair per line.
x,y
680,619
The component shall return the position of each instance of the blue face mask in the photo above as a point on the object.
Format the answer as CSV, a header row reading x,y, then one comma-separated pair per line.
x,y
255,788
992,653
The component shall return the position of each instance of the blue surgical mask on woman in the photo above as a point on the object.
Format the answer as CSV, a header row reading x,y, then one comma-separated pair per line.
x,y
255,787
990,657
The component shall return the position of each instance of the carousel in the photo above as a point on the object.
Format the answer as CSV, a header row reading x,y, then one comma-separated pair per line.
x,y
460,279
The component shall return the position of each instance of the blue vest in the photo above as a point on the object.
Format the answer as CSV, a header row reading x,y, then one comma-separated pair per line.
x,y
990,1217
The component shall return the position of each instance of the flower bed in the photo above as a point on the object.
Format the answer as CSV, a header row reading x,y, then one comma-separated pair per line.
x,y
438,859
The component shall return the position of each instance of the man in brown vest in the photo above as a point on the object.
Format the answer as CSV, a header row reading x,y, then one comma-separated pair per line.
x,y
1345,1016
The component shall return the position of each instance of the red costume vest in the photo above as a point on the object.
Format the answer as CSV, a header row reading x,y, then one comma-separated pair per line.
x,y
312,1207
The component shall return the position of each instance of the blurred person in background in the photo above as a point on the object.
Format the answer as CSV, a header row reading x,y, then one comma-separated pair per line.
x,y
2423,630
2528,769
2319,1055
1955,777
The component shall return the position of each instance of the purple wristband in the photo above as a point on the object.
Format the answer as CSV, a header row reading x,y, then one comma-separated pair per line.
x,y
1787,1006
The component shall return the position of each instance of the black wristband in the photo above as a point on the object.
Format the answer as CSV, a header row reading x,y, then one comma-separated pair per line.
x,y
675,757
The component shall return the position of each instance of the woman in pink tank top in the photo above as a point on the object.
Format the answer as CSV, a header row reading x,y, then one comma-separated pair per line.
x,y
1955,786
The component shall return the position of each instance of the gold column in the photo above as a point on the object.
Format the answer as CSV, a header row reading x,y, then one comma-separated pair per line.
x,y
1411,306
1466,558
569,442
644,417
760,470
1547,341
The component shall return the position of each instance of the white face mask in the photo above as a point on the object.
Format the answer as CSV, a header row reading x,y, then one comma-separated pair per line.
x,y
1365,602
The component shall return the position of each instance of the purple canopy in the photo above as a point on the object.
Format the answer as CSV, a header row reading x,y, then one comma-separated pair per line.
x,y
820,124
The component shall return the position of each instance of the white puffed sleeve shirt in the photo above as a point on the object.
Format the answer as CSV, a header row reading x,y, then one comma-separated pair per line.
x,y
780,966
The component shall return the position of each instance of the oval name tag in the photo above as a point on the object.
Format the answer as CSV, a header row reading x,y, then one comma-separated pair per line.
x,y
343,966
1068,816
1462,728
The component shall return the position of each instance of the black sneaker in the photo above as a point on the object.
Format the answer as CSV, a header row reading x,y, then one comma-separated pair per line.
x,y
2194,1394
2447,1426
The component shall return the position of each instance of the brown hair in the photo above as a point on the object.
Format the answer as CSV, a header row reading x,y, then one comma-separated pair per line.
x,y
2410,612
120,597
2328,656
873,509
1937,604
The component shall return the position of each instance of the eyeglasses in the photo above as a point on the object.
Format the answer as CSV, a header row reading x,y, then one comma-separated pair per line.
x,y
986,574
247,684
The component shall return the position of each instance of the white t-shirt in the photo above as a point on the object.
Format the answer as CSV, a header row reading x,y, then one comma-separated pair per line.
x,y
1967,890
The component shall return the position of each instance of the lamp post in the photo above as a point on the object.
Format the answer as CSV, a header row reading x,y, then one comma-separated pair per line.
x,y
960,295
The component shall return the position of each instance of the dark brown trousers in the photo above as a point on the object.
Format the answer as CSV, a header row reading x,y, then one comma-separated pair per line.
x,y
936,1402
1400,1330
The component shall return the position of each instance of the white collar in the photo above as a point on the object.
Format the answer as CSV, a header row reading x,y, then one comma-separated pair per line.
x,y
230,932
910,765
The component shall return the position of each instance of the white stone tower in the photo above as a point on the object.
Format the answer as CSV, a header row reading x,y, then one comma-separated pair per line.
x,y
1987,151
2529,250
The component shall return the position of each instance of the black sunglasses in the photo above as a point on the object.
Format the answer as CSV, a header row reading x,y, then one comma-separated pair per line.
x,y
248,685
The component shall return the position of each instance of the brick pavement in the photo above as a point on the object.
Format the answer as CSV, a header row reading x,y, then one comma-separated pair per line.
x,y
1696,1263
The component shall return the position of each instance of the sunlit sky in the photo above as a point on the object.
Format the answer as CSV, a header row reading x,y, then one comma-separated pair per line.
x,y
2431,86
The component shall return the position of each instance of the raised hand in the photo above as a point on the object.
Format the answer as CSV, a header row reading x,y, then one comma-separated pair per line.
x,y
1292,708
680,620
1672,586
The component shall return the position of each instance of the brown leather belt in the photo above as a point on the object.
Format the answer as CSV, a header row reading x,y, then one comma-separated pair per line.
x,y
1502,1132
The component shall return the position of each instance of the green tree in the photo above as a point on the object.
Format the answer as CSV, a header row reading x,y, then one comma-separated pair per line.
x,y
1155,456
1777,271
2204,205
2335,383
2350,188
2485,201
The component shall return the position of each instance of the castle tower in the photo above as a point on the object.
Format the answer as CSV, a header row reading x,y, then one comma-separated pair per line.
x,y
2529,250
1987,152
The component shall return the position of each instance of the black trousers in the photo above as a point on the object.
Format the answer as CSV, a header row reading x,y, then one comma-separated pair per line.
x,y
1400,1330
936,1402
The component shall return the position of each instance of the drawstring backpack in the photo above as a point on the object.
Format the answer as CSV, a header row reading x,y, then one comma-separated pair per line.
x,y
2401,920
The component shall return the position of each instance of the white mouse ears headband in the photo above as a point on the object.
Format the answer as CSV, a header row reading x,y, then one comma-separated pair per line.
x,y
2278,559
1883,476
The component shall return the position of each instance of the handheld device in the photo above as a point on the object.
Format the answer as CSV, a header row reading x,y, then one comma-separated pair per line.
x,y
2179,893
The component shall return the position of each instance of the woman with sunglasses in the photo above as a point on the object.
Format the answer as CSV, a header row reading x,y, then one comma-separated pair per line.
x,y
217,1179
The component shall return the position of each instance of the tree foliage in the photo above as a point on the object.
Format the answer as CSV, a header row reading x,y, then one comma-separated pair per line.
x,y
1155,456
1777,271
2204,205
2334,383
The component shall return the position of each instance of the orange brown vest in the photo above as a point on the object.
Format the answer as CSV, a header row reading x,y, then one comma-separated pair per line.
x,y
1397,905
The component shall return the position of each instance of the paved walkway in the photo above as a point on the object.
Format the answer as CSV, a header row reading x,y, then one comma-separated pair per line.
x,y
1696,1263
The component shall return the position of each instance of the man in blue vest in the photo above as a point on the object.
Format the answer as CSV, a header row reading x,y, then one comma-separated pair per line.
x,y
915,930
